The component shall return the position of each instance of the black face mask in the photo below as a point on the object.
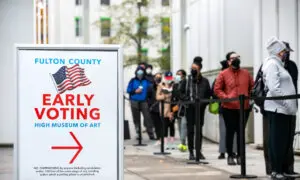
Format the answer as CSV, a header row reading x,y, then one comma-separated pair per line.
x,y
286,57
236,63
194,73
158,80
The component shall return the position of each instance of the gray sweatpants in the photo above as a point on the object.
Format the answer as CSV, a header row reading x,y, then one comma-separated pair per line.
x,y
136,109
222,129
182,127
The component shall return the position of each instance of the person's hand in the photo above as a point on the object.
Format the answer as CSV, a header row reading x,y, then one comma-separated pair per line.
x,y
138,91
171,116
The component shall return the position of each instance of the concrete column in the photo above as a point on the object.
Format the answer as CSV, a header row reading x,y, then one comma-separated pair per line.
x,y
258,59
17,26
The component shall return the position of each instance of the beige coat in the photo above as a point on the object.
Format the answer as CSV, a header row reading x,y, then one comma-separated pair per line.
x,y
166,97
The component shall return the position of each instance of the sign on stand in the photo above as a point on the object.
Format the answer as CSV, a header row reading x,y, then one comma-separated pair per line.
x,y
70,113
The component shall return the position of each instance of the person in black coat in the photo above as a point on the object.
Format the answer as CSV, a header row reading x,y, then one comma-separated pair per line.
x,y
291,67
154,107
197,87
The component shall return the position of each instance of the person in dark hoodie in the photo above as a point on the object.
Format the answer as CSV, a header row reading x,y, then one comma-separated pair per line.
x,y
197,87
138,92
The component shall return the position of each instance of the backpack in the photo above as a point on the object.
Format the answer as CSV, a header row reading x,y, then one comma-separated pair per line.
x,y
259,88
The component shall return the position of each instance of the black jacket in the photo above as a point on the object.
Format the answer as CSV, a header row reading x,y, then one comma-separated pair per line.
x,y
179,94
291,67
201,84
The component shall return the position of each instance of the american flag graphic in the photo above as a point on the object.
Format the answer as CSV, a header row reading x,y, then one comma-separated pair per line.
x,y
70,78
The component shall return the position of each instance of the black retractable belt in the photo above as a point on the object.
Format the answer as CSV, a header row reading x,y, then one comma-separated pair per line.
x,y
162,136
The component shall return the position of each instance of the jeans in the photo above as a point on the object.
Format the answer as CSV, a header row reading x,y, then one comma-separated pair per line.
x,y
136,109
169,124
182,128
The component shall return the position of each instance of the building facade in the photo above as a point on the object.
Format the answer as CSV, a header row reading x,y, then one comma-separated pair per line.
x,y
94,22
211,28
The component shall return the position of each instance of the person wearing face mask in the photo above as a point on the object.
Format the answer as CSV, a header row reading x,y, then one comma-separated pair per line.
x,y
149,76
154,108
197,87
291,67
138,91
164,92
231,83
179,95
280,113
222,127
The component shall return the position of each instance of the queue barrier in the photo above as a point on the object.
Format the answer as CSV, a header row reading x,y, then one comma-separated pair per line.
x,y
241,99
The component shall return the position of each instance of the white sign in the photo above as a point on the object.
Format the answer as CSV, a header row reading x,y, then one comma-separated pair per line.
x,y
70,113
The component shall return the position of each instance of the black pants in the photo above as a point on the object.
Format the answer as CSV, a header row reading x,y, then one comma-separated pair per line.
x,y
169,124
266,132
289,163
289,160
157,124
232,123
136,109
279,140
191,120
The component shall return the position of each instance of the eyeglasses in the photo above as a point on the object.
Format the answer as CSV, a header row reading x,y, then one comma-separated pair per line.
x,y
232,58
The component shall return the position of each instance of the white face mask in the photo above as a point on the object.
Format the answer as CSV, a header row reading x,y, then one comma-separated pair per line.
x,y
148,71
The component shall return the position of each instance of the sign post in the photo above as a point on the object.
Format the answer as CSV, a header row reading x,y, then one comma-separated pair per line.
x,y
70,112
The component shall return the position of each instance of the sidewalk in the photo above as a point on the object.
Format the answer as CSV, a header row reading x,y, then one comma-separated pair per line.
x,y
255,164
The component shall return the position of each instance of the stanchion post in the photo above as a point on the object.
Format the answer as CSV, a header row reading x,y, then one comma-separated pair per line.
x,y
162,135
198,126
140,134
242,149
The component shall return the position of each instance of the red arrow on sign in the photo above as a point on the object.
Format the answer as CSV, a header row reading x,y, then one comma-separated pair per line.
x,y
78,147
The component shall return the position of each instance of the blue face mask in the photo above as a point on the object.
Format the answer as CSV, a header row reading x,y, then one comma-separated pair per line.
x,y
177,78
140,74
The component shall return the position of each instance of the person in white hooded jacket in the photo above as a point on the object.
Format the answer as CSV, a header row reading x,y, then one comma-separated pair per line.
x,y
278,82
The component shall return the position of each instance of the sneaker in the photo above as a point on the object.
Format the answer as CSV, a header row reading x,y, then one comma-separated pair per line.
x,y
173,146
222,156
238,160
168,146
201,156
230,161
292,175
157,143
192,157
184,148
277,176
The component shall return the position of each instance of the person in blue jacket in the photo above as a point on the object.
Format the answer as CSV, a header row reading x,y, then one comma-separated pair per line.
x,y
138,94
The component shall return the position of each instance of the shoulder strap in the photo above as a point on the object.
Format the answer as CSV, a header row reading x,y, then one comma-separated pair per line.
x,y
259,73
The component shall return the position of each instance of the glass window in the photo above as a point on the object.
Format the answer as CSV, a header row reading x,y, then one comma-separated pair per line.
x,y
105,2
105,26
144,25
165,28
165,2
144,52
78,23
78,2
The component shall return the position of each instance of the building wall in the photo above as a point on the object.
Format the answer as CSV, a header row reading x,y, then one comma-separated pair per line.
x,y
16,26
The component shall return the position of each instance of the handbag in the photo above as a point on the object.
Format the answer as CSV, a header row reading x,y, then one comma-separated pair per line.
x,y
214,108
